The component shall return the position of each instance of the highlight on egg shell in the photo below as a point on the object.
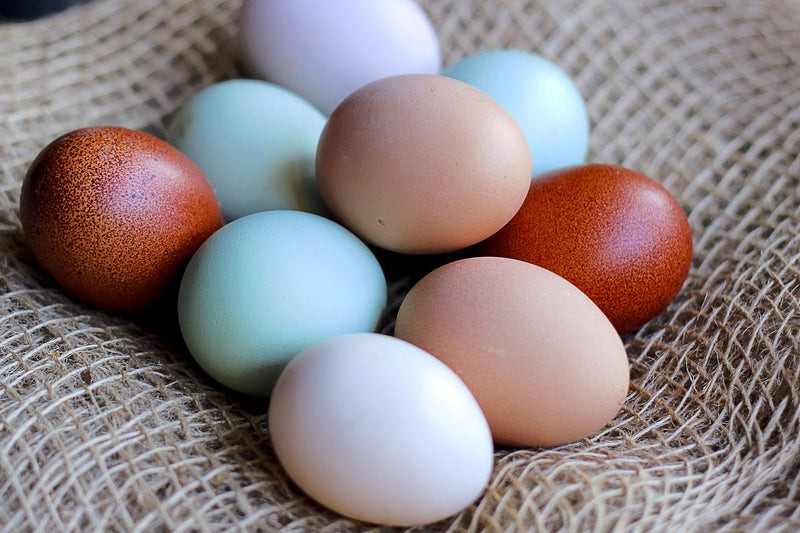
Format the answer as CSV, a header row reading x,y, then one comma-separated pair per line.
x,y
324,50
422,164
541,97
114,214
378,430
255,142
268,285
615,233
543,361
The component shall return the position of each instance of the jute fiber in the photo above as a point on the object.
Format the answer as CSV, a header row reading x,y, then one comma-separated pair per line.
x,y
106,424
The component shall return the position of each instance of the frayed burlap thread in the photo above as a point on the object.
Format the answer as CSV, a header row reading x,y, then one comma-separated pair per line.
x,y
106,424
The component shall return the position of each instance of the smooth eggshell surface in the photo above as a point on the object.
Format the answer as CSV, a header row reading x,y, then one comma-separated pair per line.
x,y
422,164
325,50
615,233
540,96
268,285
544,363
114,214
378,430
255,142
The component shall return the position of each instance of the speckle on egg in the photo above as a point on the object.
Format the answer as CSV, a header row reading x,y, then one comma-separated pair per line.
x,y
113,214
615,233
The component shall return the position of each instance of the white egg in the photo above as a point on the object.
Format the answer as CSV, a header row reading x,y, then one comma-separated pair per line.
x,y
379,430
325,50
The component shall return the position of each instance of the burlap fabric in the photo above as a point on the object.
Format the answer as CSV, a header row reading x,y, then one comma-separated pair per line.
x,y
107,425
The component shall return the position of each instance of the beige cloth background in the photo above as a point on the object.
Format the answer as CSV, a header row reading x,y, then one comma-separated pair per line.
x,y
107,425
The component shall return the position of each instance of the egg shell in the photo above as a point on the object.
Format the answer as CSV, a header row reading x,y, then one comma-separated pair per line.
x,y
541,97
615,233
378,430
268,285
422,164
255,142
114,214
325,50
544,363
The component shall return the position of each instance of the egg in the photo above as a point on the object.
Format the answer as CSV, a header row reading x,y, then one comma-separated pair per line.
x,y
541,97
325,50
543,361
422,164
615,233
255,142
378,430
114,214
268,285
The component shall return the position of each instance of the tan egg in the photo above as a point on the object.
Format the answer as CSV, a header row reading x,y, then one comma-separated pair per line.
x,y
543,361
113,215
422,164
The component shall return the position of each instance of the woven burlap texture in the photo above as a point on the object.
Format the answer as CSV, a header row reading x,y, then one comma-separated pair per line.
x,y
106,424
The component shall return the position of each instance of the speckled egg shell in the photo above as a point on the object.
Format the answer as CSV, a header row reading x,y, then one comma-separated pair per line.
x,y
615,233
113,214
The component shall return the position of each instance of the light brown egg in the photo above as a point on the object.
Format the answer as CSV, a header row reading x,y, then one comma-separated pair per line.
x,y
113,215
422,164
544,363
615,233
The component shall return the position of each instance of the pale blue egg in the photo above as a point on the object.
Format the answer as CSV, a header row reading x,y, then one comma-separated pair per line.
x,y
541,97
255,142
268,285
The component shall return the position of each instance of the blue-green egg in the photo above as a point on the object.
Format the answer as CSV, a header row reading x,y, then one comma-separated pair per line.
x,y
255,142
542,98
268,285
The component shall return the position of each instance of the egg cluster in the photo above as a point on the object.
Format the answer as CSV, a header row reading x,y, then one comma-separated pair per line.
x,y
270,196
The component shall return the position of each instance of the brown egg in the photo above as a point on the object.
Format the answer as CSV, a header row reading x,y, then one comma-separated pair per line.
x,y
544,363
615,233
422,164
113,214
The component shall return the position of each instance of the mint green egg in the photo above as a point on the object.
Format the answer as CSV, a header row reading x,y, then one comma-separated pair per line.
x,y
268,285
255,142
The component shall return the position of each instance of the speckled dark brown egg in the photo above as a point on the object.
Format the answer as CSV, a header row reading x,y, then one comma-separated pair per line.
x,y
615,233
113,215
